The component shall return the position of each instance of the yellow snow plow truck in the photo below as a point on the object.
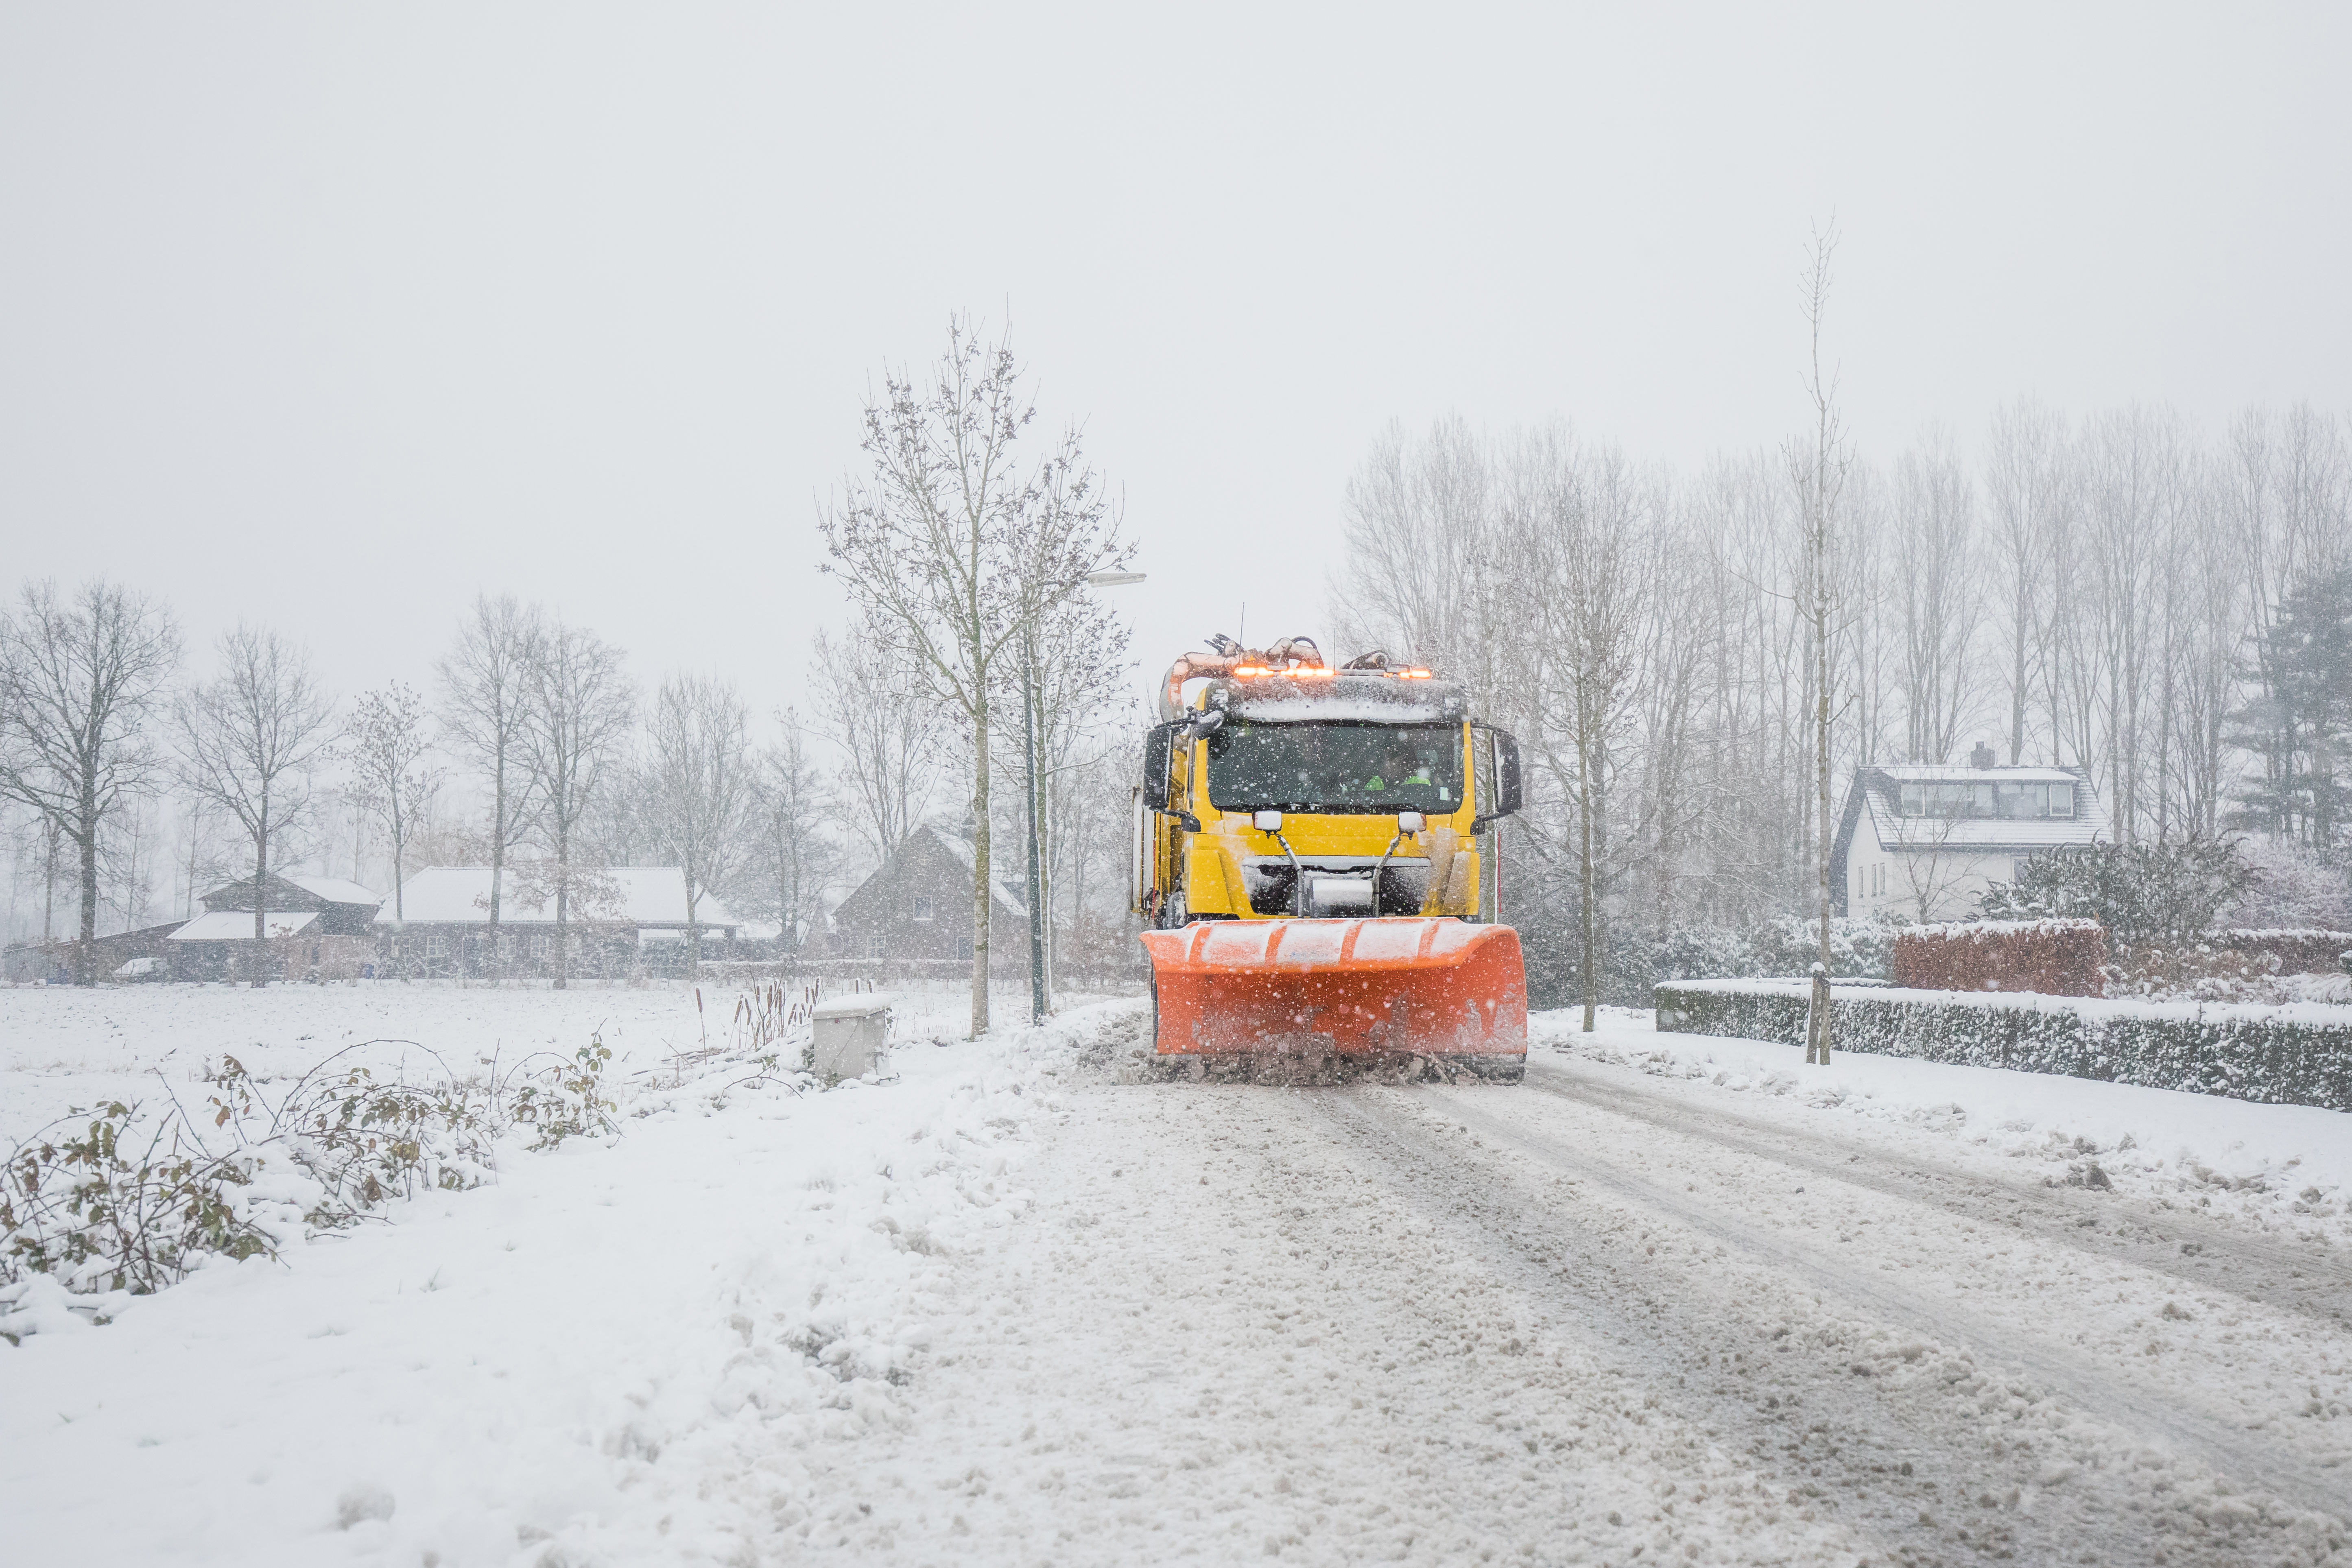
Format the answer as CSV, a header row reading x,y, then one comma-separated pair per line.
x,y
1308,867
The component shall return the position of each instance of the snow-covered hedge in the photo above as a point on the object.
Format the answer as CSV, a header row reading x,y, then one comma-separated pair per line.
x,y
2055,957
2294,1054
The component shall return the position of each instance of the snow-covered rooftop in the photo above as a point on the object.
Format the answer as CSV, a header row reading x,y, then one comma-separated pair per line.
x,y
1883,787
962,851
337,891
460,895
1945,772
232,925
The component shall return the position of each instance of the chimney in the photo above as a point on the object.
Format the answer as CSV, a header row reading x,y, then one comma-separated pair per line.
x,y
1981,757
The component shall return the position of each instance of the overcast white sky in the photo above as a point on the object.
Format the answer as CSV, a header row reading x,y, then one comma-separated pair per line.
x,y
331,316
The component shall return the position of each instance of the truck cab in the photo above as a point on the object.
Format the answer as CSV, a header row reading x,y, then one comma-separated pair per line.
x,y
1277,788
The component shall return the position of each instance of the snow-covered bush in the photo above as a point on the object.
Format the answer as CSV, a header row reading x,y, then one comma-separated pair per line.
x,y
567,1099
1706,952
2286,1055
2294,887
1861,947
1633,960
130,1196
2139,892
128,1201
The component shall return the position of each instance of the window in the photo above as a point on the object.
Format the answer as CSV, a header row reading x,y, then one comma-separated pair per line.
x,y
1337,766
874,945
2006,801
436,947
963,949
542,944
922,906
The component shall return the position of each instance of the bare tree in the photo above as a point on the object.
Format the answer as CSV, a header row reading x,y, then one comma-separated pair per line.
x,y
247,738
892,736
385,743
577,713
2027,494
1595,586
794,803
1073,672
949,545
1936,589
2134,474
485,708
700,782
80,680
1419,514
1817,470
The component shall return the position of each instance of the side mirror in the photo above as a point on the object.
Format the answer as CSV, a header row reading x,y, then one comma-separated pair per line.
x,y
1411,822
1507,786
1267,821
1159,763
1500,792
1206,722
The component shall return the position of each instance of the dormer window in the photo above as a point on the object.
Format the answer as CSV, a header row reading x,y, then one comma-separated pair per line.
x,y
922,906
2004,800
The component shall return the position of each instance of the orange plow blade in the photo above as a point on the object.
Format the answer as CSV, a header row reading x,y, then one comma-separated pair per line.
x,y
1350,991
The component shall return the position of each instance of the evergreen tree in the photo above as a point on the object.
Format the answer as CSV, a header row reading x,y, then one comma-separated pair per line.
x,y
2298,722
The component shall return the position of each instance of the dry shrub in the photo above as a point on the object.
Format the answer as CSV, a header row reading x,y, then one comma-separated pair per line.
x,y
2298,952
2051,957
138,1194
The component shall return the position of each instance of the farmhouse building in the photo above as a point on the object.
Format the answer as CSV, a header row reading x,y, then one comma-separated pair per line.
x,y
308,921
624,918
916,909
1922,842
134,955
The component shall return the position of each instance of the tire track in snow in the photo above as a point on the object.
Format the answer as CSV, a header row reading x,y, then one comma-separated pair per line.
x,y
2255,1465
1229,1330
1772,1369
2202,1254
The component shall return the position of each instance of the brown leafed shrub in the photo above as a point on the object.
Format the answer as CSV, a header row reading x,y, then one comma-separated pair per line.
x,y
2296,951
2051,957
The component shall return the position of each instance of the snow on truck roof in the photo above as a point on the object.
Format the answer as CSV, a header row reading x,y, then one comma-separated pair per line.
x,y
1340,699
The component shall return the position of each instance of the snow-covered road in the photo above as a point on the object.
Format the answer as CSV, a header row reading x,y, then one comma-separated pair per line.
x,y
1012,1309
1587,1321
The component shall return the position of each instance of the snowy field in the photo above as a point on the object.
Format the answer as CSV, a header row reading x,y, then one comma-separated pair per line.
x,y
1673,1299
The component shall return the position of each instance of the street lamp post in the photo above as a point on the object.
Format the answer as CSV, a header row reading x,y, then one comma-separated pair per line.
x,y
1032,698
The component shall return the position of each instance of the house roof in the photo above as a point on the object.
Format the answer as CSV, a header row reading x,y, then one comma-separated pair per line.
x,y
961,849
282,887
460,895
1881,788
337,891
233,925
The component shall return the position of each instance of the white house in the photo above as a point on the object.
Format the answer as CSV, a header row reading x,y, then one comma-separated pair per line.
x,y
1923,842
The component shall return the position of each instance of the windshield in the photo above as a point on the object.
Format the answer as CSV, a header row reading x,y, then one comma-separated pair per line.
x,y
1336,767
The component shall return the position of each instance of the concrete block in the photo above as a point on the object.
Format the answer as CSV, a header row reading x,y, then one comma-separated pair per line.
x,y
853,1037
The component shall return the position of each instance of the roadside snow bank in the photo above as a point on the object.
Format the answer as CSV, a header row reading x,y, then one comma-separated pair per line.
x,y
2286,1165
622,1353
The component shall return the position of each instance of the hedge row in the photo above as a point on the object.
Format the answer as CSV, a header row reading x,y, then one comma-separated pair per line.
x,y
2054,958
2298,952
2274,1055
